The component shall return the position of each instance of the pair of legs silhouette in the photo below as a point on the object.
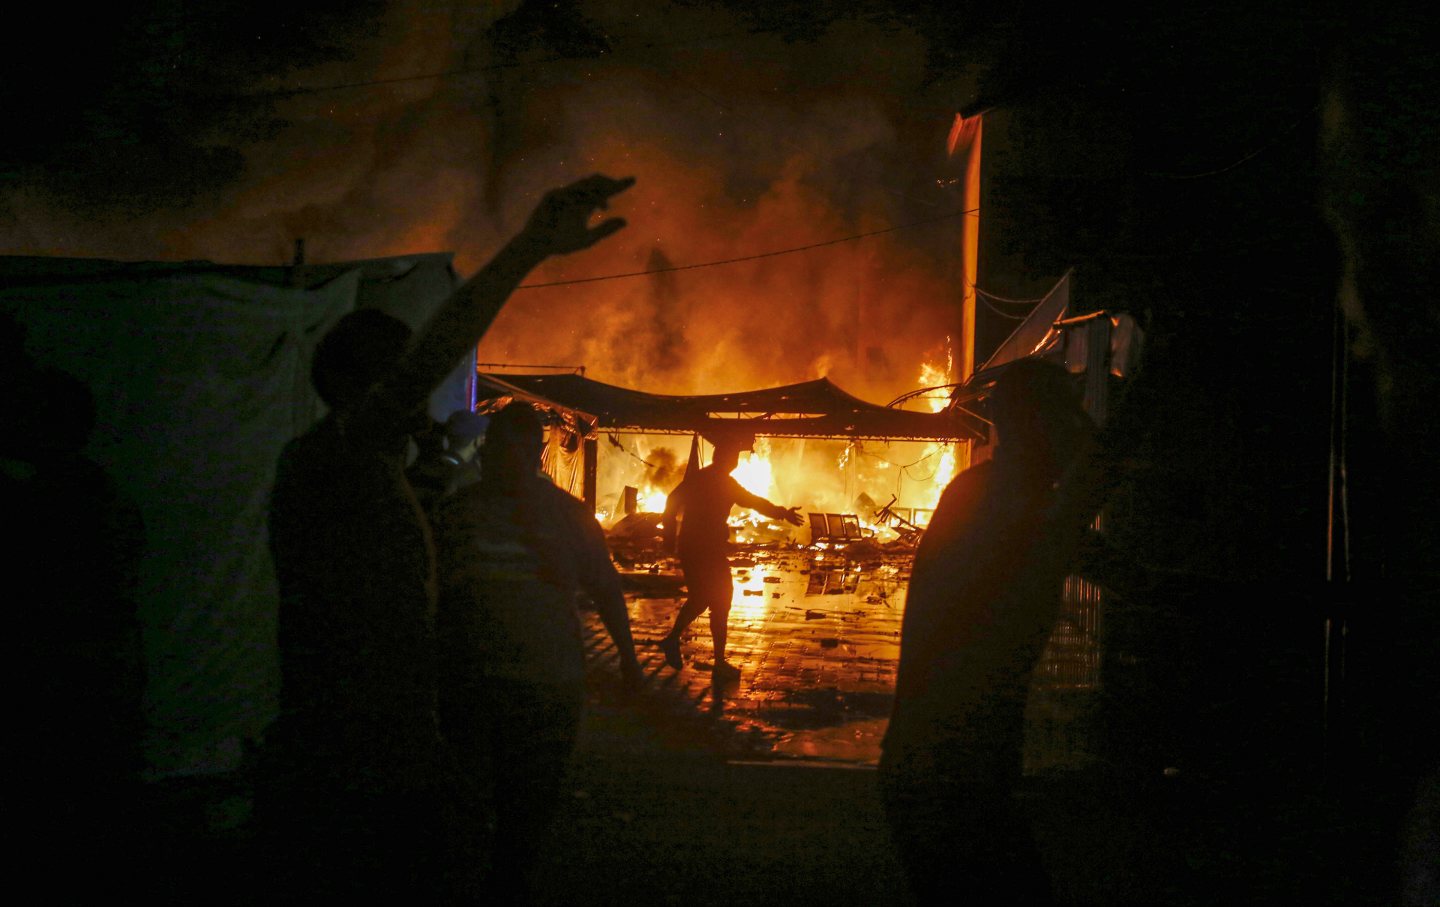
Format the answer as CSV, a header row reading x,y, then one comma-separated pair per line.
x,y
707,577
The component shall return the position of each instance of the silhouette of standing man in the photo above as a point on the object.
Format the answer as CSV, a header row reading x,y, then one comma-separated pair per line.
x,y
360,792
514,551
696,512
984,594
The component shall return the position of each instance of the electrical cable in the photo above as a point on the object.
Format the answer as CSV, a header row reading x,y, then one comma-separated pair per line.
x,y
1003,314
743,258
998,298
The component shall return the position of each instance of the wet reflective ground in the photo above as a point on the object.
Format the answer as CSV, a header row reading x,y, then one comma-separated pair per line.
x,y
817,643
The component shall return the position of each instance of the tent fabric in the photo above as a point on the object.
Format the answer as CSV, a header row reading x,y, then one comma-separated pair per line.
x,y
1048,333
200,375
1036,333
811,409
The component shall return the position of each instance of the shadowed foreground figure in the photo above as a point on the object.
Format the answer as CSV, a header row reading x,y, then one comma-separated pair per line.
x,y
983,597
514,552
446,460
697,511
76,723
358,800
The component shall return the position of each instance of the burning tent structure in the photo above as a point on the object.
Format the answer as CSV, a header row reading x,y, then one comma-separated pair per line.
x,y
200,374
815,409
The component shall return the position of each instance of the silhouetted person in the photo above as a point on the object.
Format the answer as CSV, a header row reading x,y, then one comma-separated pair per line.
x,y
514,553
697,512
446,459
356,744
983,597
77,726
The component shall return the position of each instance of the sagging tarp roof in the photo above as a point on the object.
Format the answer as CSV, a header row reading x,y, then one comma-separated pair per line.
x,y
810,409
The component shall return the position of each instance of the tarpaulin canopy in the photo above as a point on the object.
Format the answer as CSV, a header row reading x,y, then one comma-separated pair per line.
x,y
200,374
810,409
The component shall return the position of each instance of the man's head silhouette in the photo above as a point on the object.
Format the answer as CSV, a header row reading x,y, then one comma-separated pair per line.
x,y
356,353
514,440
728,447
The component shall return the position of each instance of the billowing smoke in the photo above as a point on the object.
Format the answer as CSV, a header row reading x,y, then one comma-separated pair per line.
x,y
666,467
745,141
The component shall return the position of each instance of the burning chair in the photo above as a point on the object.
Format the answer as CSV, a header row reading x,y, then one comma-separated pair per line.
x,y
835,530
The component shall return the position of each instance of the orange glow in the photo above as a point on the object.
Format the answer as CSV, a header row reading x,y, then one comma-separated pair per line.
x,y
651,500
755,473
943,457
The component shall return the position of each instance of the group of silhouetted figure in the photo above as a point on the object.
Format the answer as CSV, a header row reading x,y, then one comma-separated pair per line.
x,y
433,670
431,655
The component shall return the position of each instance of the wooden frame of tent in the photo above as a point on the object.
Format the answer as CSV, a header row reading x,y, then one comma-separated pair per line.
x,y
813,409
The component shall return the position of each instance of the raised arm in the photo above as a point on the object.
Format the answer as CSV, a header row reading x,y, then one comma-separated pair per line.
x,y
559,225
602,583
758,504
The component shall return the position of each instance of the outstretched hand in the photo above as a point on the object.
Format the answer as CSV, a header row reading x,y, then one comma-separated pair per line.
x,y
793,517
560,224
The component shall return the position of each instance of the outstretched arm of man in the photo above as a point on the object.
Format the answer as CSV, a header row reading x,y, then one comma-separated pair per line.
x,y
774,511
601,582
559,225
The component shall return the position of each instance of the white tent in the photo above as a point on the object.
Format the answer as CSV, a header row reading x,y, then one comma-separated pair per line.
x,y
201,374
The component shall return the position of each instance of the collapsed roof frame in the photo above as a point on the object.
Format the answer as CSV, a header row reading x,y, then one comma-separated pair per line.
x,y
813,409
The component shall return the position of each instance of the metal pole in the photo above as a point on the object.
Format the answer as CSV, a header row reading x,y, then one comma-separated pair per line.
x,y
590,484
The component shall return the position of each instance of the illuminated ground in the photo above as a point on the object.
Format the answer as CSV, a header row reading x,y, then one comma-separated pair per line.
x,y
817,643
762,792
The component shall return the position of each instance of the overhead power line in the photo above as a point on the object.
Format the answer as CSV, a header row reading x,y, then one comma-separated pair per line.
x,y
998,311
731,261
996,297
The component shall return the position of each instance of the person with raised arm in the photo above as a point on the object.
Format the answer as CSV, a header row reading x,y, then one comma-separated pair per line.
x,y
358,779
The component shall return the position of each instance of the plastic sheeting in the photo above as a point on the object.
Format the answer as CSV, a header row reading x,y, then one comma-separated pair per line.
x,y
201,375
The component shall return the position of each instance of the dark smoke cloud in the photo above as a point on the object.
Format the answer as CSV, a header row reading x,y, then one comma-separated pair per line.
x,y
140,106
748,131
667,468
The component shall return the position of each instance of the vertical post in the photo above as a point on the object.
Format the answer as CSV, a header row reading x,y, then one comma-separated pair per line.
x,y
1337,544
589,487
964,144
1097,367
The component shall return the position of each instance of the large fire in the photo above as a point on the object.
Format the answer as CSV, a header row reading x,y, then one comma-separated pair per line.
x,y
755,473
934,375
802,146
818,476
